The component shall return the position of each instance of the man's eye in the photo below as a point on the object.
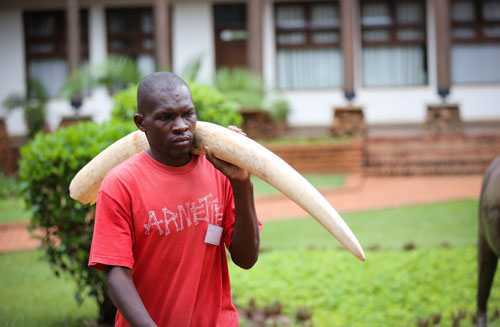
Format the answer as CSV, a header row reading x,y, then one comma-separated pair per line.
x,y
164,117
188,114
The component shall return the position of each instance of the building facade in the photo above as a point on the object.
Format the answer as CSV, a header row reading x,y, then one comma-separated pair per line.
x,y
392,58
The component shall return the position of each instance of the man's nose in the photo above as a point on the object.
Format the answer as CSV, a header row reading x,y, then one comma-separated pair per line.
x,y
180,125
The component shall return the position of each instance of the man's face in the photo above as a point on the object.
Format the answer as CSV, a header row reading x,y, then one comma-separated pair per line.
x,y
169,121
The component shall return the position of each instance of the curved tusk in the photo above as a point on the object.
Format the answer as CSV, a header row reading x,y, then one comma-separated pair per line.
x,y
238,150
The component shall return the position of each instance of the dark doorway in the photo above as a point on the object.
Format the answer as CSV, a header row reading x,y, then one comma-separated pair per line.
x,y
230,35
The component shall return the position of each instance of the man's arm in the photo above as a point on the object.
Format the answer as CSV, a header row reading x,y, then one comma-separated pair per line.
x,y
244,247
122,291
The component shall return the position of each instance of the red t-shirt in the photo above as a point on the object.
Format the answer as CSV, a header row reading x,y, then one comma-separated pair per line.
x,y
153,219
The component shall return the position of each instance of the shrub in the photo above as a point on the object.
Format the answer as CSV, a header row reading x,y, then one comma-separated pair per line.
x,y
47,166
115,73
125,104
8,186
248,91
33,106
210,105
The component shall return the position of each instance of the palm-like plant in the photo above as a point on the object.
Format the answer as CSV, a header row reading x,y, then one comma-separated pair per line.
x,y
248,91
115,73
33,106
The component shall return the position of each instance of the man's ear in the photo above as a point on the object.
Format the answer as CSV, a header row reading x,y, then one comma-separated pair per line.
x,y
139,122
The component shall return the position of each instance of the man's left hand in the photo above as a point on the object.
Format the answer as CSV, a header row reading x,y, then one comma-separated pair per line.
x,y
232,172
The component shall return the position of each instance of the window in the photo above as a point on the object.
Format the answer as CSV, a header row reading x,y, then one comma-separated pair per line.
x,y
307,42
394,42
131,33
475,51
45,44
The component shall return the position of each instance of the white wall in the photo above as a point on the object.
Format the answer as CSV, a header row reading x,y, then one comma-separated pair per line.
x,y
192,36
381,105
12,77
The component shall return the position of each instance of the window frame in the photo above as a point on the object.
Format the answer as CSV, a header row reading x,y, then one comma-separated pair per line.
x,y
137,37
478,24
58,38
394,26
308,29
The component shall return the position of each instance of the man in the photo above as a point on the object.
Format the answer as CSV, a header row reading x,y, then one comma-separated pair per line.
x,y
162,216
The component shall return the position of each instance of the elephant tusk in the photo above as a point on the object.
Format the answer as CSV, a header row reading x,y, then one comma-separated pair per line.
x,y
238,150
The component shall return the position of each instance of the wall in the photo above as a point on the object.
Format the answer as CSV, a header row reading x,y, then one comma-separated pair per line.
x,y
192,36
12,77
381,105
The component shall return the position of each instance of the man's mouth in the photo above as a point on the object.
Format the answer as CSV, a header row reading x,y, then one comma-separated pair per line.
x,y
181,140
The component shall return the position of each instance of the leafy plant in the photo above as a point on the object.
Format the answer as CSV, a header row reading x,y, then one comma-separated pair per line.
x,y
47,165
33,106
210,105
248,90
241,86
8,186
125,104
115,73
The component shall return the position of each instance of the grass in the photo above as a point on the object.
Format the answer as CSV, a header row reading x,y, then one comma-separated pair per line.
x,y
13,210
392,288
429,225
320,181
30,294
302,267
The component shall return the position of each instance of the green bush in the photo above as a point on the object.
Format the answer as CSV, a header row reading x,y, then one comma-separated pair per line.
x,y
125,104
210,105
33,105
8,186
248,91
47,165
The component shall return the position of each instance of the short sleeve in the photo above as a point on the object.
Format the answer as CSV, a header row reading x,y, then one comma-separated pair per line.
x,y
112,241
229,217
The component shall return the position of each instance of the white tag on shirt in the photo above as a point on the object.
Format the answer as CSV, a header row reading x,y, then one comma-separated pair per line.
x,y
213,235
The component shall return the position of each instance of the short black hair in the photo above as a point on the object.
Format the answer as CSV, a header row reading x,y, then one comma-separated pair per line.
x,y
157,82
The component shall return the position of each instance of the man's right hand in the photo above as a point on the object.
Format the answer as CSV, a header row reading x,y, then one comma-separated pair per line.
x,y
122,291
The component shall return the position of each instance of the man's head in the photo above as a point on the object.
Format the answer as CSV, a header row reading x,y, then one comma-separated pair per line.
x,y
166,114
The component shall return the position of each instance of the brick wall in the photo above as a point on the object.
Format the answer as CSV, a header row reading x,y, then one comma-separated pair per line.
x,y
437,155
334,157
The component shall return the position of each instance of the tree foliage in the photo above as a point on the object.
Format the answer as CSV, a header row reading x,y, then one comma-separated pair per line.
x,y
47,166
210,105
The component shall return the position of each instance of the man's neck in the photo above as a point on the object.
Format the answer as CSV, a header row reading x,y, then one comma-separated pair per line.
x,y
172,161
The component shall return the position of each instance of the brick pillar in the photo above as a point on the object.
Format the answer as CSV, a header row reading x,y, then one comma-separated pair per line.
x,y
348,121
443,119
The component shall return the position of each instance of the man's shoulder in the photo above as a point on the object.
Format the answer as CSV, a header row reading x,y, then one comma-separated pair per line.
x,y
124,171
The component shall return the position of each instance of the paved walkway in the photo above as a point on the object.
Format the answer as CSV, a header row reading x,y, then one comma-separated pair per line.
x,y
357,194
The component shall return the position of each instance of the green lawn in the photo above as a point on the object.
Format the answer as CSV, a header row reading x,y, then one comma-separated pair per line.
x,y
31,295
302,266
428,225
13,210
320,181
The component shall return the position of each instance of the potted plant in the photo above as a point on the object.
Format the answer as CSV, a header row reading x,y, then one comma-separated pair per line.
x,y
263,116
33,105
